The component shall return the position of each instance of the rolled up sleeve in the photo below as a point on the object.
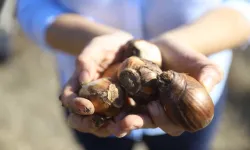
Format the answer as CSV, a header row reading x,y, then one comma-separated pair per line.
x,y
35,16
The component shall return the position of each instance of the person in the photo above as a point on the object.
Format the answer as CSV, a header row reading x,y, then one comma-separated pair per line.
x,y
4,39
195,36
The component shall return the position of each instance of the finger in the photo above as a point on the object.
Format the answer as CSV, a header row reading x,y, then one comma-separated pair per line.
x,y
191,62
69,90
96,76
86,125
80,106
129,123
114,129
210,75
81,123
86,67
110,56
161,120
102,132
120,116
88,62
205,71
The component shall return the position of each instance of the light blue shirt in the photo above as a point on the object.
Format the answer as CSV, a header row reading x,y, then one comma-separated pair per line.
x,y
142,18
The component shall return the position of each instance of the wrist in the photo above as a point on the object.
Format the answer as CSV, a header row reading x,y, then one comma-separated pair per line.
x,y
172,51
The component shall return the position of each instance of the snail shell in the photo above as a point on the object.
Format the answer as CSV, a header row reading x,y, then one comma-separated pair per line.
x,y
143,49
185,101
139,77
105,94
111,72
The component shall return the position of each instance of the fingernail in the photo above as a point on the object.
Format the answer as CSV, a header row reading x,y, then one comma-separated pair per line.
x,y
153,108
208,83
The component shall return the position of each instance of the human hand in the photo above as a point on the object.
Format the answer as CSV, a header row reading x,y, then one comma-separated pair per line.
x,y
182,58
179,58
96,57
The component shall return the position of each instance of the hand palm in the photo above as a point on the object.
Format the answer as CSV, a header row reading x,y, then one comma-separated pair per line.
x,y
98,56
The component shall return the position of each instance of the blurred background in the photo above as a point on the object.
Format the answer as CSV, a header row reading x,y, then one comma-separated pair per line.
x,y
30,114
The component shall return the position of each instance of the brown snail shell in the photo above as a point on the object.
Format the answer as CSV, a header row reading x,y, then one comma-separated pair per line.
x,y
185,101
139,77
111,72
106,95
143,49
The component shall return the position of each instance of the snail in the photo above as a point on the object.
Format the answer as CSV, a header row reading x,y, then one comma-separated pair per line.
x,y
185,101
142,49
107,97
138,77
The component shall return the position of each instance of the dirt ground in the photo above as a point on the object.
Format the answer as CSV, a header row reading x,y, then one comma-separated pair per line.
x,y
31,118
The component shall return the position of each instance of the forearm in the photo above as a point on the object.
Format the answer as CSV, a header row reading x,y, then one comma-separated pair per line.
x,y
52,27
71,32
217,30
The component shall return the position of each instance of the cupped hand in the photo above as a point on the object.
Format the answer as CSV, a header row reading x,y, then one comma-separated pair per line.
x,y
96,57
180,58
99,54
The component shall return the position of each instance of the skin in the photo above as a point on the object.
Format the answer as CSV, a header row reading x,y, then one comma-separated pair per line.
x,y
223,28
71,33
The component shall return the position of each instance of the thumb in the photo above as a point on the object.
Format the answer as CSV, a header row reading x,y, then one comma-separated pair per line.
x,y
85,68
210,75
87,63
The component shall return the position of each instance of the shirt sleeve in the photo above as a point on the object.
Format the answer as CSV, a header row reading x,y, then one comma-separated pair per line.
x,y
243,6
34,17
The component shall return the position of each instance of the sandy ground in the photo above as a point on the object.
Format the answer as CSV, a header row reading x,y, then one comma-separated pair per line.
x,y
31,118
